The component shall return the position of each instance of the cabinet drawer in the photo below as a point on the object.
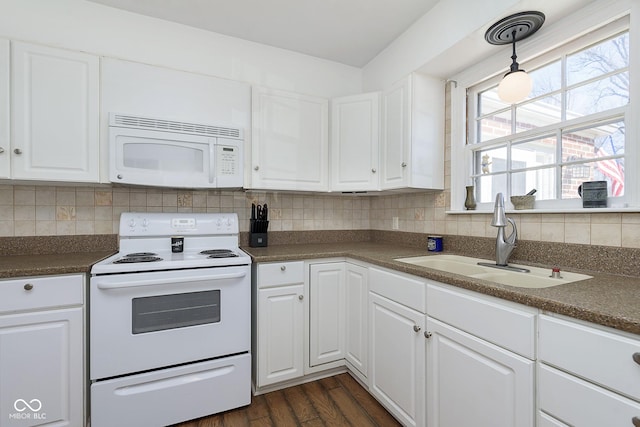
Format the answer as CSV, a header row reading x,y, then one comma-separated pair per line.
x,y
399,288
40,292
280,273
603,357
498,322
579,403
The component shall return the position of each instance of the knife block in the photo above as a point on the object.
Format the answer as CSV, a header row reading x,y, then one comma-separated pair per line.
x,y
258,236
258,240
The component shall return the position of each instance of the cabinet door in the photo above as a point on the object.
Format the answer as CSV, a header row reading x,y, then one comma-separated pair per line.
x,y
280,334
55,107
354,142
396,136
5,159
356,291
290,142
326,313
397,359
473,381
41,367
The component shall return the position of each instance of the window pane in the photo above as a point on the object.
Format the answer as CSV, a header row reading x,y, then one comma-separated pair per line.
x,y
599,141
611,170
488,102
546,79
539,113
534,153
603,58
543,180
494,126
491,160
489,185
601,95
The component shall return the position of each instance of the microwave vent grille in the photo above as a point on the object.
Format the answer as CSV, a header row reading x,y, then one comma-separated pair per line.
x,y
174,126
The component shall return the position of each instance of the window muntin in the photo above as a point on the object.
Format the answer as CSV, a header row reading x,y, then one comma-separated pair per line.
x,y
537,148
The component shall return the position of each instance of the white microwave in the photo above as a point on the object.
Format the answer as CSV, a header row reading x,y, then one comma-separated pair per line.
x,y
166,153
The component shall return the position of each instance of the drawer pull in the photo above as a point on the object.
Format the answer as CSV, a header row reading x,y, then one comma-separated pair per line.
x,y
636,357
28,287
427,334
283,268
636,420
300,297
416,328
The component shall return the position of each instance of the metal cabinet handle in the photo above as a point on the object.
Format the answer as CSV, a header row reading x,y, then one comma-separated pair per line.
x,y
416,328
427,334
636,421
636,357
283,268
28,287
256,168
404,165
17,151
300,297
373,170
1,150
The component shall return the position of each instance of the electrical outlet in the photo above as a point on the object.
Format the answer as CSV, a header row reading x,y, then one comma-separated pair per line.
x,y
395,224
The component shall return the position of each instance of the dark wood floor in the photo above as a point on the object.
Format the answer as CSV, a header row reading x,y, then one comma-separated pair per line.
x,y
334,401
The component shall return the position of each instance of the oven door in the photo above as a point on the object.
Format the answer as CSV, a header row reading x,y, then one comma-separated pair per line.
x,y
144,321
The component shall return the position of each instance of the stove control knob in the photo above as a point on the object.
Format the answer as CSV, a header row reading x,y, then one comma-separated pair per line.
x,y
229,222
132,223
219,222
145,222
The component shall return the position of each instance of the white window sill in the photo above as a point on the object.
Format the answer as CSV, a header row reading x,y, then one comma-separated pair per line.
x,y
549,211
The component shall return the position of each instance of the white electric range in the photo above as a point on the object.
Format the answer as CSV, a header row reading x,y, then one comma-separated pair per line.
x,y
170,331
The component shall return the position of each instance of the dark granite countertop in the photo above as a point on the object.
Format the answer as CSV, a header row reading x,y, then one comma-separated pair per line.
x,y
38,265
606,299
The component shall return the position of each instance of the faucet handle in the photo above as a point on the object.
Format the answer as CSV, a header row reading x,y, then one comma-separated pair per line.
x,y
514,234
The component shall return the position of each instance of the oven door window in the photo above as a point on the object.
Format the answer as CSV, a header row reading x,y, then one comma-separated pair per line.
x,y
164,312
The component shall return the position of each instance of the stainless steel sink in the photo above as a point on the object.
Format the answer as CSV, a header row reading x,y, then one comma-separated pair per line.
x,y
468,266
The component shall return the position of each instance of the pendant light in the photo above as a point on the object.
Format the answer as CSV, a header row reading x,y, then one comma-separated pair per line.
x,y
516,84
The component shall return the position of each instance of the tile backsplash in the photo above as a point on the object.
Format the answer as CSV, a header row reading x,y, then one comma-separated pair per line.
x,y
67,210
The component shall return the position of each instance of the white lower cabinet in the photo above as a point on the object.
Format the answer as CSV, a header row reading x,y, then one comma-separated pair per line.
x,y
588,375
356,295
396,348
278,322
326,313
474,377
41,351
473,382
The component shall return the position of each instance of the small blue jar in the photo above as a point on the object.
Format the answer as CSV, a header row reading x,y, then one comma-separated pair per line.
x,y
434,243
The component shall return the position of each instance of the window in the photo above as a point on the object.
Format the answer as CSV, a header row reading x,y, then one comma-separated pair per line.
x,y
571,129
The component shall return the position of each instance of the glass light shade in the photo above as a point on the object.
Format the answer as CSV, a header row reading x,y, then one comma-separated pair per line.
x,y
515,86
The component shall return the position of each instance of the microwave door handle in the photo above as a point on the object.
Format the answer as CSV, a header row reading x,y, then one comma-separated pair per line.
x,y
212,161
155,282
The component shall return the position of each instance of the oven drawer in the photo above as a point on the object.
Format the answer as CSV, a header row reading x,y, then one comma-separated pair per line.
x,y
280,273
31,293
172,395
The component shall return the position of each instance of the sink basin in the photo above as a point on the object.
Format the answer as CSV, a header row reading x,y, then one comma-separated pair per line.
x,y
468,266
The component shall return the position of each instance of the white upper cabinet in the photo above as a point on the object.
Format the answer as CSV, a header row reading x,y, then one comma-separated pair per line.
x,y
354,142
5,159
412,146
289,141
54,114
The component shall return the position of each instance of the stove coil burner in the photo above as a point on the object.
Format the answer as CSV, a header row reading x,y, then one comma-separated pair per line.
x,y
138,257
219,253
139,254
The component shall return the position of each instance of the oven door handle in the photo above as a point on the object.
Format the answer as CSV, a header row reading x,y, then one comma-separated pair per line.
x,y
105,284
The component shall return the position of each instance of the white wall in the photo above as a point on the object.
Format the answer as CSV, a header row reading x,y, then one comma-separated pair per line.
x,y
91,27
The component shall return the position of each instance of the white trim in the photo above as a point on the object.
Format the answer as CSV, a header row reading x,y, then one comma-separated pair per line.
x,y
569,28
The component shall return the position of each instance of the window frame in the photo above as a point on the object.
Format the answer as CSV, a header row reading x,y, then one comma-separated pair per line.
x,y
586,27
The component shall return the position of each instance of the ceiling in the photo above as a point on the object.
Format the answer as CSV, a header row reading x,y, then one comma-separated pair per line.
x,y
351,32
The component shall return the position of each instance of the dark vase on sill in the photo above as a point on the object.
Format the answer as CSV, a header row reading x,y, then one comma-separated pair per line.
x,y
470,201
